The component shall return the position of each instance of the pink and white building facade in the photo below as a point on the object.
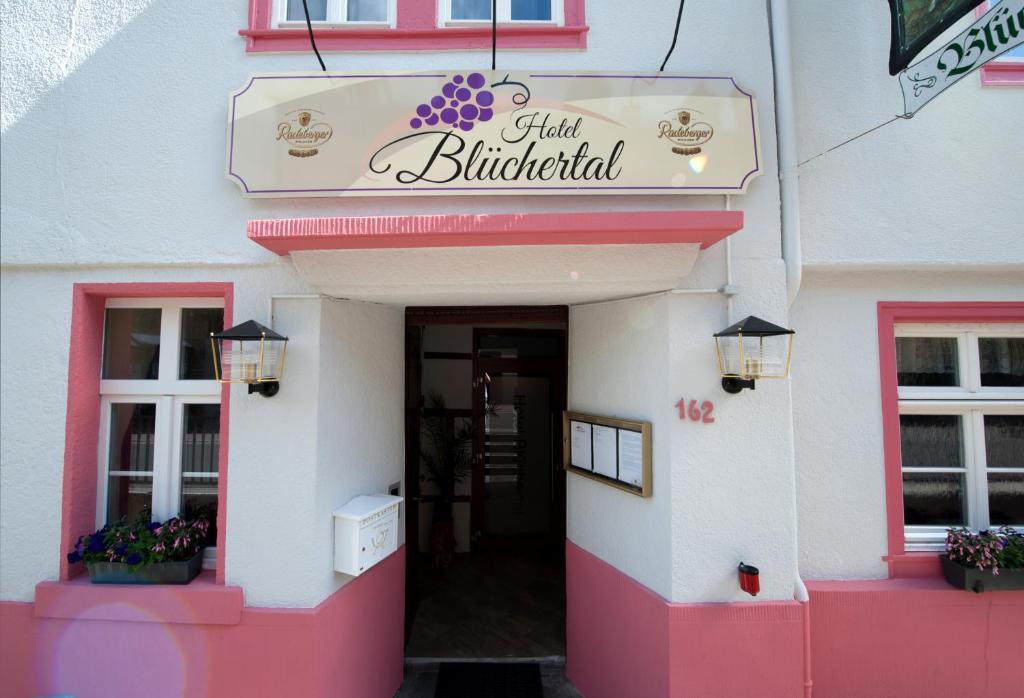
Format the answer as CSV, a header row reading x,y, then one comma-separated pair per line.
x,y
900,253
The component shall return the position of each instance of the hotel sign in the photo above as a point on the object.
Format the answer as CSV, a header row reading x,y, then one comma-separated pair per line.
x,y
491,133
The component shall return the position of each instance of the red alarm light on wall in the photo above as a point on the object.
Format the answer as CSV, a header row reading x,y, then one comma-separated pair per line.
x,y
750,579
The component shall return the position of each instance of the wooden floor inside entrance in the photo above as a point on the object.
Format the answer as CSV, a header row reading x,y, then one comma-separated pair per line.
x,y
496,603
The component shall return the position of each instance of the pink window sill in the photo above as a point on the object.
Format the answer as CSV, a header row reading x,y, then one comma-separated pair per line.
x,y
914,566
203,602
419,39
1002,73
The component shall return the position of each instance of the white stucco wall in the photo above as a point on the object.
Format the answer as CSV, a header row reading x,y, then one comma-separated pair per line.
x,y
837,407
34,343
941,188
618,356
115,116
113,128
722,492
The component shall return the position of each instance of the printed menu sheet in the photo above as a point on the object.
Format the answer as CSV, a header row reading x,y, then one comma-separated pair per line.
x,y
605,456
580,448
631,457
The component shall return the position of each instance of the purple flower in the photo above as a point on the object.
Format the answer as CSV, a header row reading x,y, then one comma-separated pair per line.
x,y
74,557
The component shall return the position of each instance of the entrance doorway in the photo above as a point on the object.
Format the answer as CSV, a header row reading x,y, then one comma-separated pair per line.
x,y
485,523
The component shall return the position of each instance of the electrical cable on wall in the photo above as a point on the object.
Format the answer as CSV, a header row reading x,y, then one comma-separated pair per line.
x,y
494,33
312,42
675,35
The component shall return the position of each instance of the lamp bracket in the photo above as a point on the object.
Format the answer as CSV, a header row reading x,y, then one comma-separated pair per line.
x,y
268,389
736,385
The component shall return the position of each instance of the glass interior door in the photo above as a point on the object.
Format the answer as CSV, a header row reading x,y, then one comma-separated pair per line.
x,y
517,449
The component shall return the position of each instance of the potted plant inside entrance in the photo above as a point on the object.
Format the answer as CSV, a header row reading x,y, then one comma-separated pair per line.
x,y
984,561
447,461
143,552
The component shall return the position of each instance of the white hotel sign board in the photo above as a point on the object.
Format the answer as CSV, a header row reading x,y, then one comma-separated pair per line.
x,y
488,133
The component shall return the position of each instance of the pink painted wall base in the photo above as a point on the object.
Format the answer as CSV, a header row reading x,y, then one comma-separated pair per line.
x,y
351,645
915,638
886,638
625,640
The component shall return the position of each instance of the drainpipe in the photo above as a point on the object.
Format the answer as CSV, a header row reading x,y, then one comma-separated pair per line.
x,y
789,199
785,128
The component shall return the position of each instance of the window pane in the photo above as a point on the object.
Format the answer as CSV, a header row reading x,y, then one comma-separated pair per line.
x,y
131,343
367,10
531,9
513,346
317,10
933,499
195,357
132,429
931,441
1004,440
200,449
129,497
928,361
1006,499
1002,361
471,9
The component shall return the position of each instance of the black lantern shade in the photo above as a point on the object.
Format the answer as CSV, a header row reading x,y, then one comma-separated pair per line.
x,y
750,350
252,354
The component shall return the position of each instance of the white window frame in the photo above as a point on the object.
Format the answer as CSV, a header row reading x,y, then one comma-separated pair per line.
x,y
504,15
971,401
337,17
170,395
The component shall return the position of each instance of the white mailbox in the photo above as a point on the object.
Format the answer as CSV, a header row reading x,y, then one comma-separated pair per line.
x,y
365,532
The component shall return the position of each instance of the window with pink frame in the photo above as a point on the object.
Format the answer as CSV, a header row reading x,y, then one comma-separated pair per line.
x,y
952,385
402,25
1007,69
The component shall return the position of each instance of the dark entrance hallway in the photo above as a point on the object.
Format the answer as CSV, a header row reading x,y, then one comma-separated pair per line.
x,y
485,527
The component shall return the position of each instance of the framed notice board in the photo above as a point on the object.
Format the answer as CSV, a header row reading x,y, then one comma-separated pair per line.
x,y
616,452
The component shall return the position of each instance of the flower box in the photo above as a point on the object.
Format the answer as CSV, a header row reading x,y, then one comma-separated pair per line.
x,y
973,579
144,552
174,572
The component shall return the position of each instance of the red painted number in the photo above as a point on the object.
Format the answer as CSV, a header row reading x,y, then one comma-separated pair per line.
x,y
694,413
707,407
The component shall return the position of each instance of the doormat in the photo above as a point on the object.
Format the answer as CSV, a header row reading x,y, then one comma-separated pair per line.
x,y
488,680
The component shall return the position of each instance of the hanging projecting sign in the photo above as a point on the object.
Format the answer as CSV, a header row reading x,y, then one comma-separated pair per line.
x,y
916,23
998,31
491,133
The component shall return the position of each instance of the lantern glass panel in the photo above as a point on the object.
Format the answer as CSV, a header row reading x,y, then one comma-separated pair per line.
x,y
273,354
240,360
755,357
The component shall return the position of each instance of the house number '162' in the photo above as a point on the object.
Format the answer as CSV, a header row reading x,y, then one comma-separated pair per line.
x,y
694,413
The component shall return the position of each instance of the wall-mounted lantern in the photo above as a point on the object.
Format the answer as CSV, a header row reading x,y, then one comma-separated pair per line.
x,y
249,353
750,350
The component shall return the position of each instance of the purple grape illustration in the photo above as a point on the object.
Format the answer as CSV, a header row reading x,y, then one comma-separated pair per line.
x,y
449,116
462,104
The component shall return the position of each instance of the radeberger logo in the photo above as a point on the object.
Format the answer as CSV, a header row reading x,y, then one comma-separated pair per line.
x,y
305,131
686,131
